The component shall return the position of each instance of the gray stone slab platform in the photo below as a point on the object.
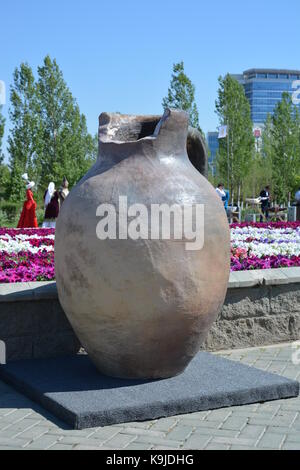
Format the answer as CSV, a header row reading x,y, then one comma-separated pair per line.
x,y
73,390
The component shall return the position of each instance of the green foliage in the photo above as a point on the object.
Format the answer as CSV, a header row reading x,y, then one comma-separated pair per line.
x,y
4,171
22,138
181,95
233,110
49,137
282,147
64,146
2,124
9,213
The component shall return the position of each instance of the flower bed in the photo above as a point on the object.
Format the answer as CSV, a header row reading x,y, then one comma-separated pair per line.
x,y
28,254
265,246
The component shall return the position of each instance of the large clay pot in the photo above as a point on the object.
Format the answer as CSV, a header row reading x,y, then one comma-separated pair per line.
x,y
141,308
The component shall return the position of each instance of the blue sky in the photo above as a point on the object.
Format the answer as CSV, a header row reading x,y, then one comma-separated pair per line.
x,y
118,55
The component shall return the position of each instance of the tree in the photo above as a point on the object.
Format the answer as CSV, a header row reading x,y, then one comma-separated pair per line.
x,y
233,110
2,124
22,139
64,145
181,94
284,148
4,171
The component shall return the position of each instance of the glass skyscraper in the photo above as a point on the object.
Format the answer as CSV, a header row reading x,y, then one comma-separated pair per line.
x,y
264,88
213,145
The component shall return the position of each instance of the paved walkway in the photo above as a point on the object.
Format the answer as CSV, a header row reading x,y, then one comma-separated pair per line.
x,y
274,425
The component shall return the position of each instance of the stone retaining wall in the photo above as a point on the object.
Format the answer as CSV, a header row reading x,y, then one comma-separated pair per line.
x,y
261,308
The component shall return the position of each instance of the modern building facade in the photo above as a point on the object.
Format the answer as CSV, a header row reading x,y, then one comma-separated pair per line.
x,y
264,89
213,145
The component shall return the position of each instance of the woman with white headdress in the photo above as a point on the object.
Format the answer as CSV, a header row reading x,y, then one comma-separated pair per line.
x,y
51,206
28,218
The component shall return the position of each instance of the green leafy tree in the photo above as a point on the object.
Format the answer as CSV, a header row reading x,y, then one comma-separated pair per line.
x,y
233,110
65,148
4,171
22,138
181,95
284,148
2,126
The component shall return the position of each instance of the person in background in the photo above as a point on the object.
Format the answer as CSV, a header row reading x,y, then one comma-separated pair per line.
x,y
63,191
51,199
220,191
265,202
48,194
226,200
28,218
224,195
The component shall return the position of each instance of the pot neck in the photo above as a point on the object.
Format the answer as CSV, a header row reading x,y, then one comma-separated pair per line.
x,y
122,135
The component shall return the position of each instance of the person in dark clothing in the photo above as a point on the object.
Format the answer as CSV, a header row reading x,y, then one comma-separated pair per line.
x,y
265,202
51,209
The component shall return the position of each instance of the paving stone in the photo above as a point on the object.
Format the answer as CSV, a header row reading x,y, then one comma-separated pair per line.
x,y
252,431
141,424
271,441
103,434
206,425
291,446
233,441
217,432
32,433
83,447
199,416
10,448
234,423
43,442
237,447
180,432
156,441
84,433
72,440
22,426
271,408
8,433
196,442
61,447
166,424
218,415
142,446
17,415
217,447
121,440
293,436
142,432
18,442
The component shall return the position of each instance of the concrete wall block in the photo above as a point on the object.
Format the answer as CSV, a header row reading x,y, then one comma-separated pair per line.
x,y
19,347
285,299
246,303
50,345
17,319
250,332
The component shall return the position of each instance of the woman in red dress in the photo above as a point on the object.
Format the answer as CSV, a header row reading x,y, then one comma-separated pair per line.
x,y
28,218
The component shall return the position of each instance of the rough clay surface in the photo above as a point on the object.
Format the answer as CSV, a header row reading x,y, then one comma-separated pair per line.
x,y
141,308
